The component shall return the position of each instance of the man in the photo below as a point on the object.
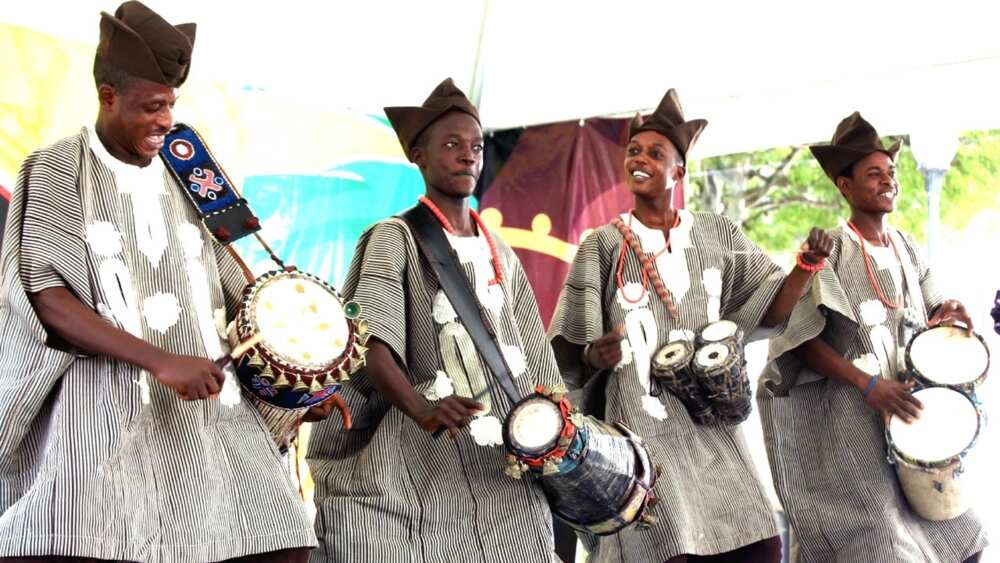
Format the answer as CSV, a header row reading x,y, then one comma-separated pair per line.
x,y
835,373
658,275
389,489
110,291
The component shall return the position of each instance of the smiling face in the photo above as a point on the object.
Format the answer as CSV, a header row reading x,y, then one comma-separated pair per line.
x,y
871,186
652,164
450,155
134,119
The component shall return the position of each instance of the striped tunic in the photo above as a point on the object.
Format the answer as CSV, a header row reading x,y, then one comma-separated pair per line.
x,y
826,447
711,500
387,490
87,469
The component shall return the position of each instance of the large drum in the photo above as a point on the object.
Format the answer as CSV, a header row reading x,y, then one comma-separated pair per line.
x,y
930,453
597,477
311,343
948,356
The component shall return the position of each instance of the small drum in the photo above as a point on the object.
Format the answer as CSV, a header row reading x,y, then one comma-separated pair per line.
x,y
720,331
671,368
948,356
929,453
311,343
597,477
720,370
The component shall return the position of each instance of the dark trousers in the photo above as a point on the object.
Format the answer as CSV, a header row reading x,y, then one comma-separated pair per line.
x,y
764,551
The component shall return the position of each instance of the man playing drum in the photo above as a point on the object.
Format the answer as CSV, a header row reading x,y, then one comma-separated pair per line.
x,y
389,489
109,450
661,274
835,371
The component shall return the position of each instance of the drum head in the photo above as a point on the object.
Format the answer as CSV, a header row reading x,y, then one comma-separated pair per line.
x,y
948,355
534,426
713,355
302,320
719,331
673,355
948,425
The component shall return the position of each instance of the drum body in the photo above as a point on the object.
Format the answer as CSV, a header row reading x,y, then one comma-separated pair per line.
x,y
311,343
721,372
672,369
930,454
597,477
948,356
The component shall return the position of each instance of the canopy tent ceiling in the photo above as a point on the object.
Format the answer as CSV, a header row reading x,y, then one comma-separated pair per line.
x,y
763,73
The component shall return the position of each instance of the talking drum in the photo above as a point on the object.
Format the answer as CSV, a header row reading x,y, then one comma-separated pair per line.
x,y
311,342
948,356
930,453
597,477
671,369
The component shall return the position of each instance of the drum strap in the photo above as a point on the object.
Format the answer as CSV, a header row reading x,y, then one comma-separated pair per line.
x,y
434,245
206,185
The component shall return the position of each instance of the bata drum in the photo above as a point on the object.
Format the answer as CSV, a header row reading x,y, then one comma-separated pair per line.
x,y
597,477
721,372
310,343
930,453
671,368
720,331
948,356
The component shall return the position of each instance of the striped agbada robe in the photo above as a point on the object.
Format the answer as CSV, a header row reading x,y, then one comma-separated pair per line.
x,y
87,469
711,500
387,490
826,448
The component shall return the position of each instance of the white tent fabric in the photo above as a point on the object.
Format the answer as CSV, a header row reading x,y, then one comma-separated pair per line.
x,y
764,73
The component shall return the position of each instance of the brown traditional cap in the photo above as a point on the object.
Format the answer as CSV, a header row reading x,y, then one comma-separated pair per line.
x,y
668,120
853,140
143,44
410,122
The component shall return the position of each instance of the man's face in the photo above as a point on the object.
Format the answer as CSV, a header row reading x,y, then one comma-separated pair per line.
x,y
138,117
872,187
651,164
451,156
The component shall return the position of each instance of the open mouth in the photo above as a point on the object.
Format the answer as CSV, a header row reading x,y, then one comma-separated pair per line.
x,y
641,175
153,142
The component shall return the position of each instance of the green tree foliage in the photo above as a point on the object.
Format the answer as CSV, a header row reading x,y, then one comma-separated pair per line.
x,y
778,194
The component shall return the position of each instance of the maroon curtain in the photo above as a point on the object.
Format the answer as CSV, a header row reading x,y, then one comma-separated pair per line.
x,y
570,172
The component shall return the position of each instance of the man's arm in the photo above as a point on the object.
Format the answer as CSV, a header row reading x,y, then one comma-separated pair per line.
x,y
452,412
887,397
64,316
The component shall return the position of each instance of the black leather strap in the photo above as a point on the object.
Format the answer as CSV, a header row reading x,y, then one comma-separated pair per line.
x,y
434,245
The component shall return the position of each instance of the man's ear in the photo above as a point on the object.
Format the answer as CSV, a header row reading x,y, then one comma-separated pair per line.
x,y
107,95
418,156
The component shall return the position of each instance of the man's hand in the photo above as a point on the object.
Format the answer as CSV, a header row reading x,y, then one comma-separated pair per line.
x,y
894,398
606,351
453,412
950,311
817,246
190,377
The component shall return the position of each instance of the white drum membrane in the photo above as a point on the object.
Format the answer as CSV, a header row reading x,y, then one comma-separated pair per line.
x,y
718,331
948,355
535,424
301,321
947,425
